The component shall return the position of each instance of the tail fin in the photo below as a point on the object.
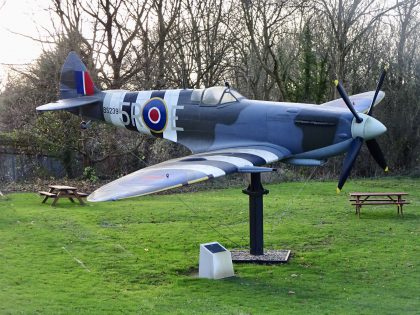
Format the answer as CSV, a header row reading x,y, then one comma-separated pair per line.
x,y
75,79
76,86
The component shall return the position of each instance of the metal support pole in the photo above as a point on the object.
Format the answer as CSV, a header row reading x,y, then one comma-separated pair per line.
x,y
255,191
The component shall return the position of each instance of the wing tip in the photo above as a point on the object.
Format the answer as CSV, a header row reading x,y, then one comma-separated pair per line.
x,y
45,107
94,198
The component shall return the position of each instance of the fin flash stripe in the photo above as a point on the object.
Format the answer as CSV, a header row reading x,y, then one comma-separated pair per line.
x,y
84,83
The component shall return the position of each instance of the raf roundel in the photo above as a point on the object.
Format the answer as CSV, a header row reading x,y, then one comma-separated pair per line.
x,y
155,114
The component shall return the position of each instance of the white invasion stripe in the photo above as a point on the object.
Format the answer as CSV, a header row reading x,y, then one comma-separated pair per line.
x,y
142,98
171,100
266,155
238,162
107,101
206,169
117,99
171,97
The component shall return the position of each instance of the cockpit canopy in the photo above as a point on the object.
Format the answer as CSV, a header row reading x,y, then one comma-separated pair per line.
x,y
214,96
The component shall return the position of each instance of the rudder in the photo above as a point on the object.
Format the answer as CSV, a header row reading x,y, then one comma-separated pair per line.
x,y
75,80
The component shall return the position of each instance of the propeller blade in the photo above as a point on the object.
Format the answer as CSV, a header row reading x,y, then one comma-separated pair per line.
x,y
349,161
378,88
346,100
377,154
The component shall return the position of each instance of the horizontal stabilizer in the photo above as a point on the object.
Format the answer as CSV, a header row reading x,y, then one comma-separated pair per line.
x,y
69,103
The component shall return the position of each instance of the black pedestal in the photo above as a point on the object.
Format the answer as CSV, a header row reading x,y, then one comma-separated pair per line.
x,y
256,254
256,191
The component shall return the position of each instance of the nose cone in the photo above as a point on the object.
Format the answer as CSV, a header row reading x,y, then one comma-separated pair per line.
x,y
369,128
373,128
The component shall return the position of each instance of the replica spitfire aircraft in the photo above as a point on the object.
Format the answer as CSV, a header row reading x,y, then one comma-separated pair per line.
x,y
225,131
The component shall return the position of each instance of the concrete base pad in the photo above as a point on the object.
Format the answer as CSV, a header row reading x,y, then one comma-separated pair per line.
x,y
269,257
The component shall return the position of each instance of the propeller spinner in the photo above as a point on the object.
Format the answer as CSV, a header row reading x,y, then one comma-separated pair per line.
x,y
364,128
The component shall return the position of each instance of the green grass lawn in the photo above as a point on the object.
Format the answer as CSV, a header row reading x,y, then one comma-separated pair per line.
x,y
141,255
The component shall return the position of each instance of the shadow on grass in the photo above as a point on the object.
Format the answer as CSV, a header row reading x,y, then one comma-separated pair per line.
x,y
387,215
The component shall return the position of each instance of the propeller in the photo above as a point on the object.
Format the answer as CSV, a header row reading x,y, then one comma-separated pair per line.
x,y
378,88
346,100
365,129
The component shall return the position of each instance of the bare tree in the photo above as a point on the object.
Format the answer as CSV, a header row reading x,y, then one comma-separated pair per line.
x,y
203,41
273,28
403,107
118,24
408,25
159,20
348,22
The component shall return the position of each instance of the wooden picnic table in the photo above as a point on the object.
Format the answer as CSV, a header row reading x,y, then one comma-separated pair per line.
x,y
59,191
360,199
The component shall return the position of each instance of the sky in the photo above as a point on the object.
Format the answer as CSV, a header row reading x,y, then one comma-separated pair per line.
x,y
21,16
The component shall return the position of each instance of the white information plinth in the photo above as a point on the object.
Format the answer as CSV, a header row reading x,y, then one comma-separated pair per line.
x,y
215,262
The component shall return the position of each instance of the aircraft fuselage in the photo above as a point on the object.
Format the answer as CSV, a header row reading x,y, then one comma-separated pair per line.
x,y
307,131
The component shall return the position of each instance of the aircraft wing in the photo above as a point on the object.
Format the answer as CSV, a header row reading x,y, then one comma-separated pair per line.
x,y
361,102
188,170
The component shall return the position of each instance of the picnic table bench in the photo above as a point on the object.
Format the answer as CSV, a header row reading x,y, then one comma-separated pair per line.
x,y
360,199
59,191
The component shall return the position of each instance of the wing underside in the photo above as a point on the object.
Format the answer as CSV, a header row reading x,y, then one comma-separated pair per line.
x,y
186,171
